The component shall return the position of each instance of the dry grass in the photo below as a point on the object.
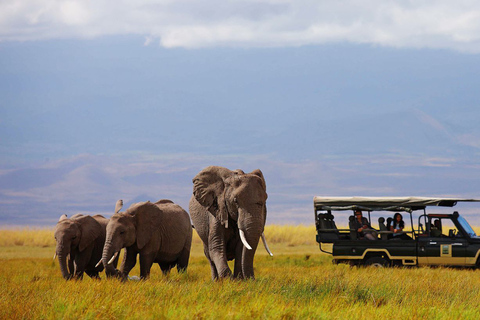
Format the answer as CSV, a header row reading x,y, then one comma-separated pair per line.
x,y
27,237
299,282
290,235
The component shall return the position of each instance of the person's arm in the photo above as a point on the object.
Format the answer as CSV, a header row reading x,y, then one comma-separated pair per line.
x,y
400,227
366,224
359,226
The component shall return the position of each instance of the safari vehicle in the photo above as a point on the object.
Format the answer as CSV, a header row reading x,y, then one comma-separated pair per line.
x,y
438,239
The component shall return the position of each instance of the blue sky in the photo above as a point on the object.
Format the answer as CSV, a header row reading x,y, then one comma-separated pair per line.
x,y
102,102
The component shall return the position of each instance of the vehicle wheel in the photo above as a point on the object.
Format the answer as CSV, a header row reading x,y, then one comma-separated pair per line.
x,y
378,262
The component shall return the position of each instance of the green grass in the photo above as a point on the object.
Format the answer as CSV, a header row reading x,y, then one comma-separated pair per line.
x,y
299,282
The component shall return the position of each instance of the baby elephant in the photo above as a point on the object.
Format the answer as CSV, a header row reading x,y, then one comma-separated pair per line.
x,y
80,242
158,232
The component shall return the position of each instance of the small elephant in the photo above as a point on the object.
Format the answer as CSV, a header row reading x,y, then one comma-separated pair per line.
x,y
80,241
228,210
158,232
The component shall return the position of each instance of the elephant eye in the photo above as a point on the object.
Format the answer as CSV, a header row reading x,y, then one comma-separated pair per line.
x,y
260,204
74,237
122,232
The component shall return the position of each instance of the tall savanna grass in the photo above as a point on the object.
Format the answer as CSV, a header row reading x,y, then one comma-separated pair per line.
x,y
298,282
290,235
33,237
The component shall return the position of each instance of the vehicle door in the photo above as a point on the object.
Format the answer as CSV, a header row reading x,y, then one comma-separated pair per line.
x,y
444,245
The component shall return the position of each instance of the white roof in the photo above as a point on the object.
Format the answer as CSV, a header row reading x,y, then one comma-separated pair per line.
x,y
384,203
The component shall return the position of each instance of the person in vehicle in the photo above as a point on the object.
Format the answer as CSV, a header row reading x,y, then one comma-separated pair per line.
x,y
361,224
397,227
436,228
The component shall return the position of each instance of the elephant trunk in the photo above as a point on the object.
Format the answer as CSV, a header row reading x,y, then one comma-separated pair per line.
x,y
247,260
108,253
252,233
62,253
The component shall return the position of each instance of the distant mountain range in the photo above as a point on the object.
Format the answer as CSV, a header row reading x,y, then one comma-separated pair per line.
x,y
402,154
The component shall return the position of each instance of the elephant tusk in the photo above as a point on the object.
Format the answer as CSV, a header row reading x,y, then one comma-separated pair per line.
x,y
266,246
244,241
113,258
55,256
98,264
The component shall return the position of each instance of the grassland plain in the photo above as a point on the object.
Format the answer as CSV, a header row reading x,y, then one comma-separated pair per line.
x,y
299,282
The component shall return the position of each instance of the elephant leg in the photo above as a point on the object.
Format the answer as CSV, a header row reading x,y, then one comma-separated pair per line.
x,y
182,262
78,274
220,263
217,249
146,262
166,267
212,265
81,262
237,271
213,271
93,274
129,261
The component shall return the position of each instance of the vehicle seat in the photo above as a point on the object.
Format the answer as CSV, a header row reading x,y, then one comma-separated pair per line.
x,y
351,225
327,228
383,227
321,224
330,223
389,223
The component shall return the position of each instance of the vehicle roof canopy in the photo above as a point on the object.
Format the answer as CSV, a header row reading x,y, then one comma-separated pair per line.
x,y
407,204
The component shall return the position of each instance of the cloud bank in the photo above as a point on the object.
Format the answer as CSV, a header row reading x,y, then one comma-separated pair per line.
x,y
249,23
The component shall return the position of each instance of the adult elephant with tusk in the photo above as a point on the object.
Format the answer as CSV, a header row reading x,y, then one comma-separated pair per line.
x,y
158,232
228,210
79,246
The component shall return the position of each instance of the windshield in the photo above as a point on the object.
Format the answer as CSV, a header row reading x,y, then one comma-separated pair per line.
x,y
468,229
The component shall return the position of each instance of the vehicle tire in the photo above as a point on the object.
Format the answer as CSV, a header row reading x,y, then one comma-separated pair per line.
x,y
378,262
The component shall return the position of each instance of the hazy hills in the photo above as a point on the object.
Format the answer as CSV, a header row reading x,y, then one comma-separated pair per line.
x,y
406,153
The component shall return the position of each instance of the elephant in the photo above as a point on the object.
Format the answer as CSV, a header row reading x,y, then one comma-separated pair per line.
x,y
228,210
159,232
80,241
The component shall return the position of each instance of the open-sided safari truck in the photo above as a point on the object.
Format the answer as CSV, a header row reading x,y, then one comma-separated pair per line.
x,y
438,239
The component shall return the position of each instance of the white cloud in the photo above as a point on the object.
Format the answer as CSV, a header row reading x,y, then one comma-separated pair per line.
x,y
260,23
74,13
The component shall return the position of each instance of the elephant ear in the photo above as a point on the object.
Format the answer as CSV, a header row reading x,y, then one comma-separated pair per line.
x,y
209,190
118,205
259,173
148,221
90,230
